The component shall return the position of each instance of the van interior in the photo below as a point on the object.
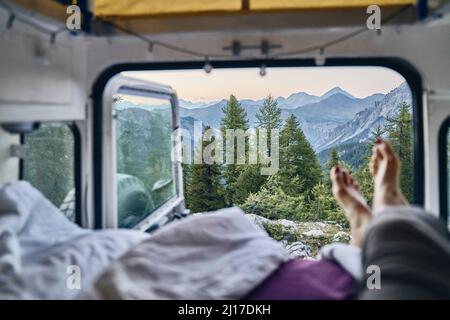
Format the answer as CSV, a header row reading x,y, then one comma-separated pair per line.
x,y
115,126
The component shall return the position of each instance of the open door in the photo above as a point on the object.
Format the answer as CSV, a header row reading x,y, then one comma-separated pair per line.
x,y
141,177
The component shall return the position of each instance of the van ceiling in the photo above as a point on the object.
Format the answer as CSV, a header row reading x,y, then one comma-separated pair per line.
x,y
183,16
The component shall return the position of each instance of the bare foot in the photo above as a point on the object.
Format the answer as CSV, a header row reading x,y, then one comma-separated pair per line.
x,y
346,191
385,167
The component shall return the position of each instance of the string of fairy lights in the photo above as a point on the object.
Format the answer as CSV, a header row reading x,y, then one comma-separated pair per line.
x,y
318,50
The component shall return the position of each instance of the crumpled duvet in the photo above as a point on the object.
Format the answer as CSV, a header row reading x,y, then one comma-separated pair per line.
x,y
39,248
220,255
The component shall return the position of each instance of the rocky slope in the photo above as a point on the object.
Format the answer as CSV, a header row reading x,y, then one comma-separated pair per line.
x,y
360,127
302,239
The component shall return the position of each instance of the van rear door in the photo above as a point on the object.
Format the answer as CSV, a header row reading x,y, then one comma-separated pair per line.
x,y
141,177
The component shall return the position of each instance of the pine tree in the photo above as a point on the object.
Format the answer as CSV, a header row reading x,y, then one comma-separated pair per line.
x,y
323,206
205,191
269,116
273,203
300,169
365,181
187,175
377,133
235,118
399,131
334,160
250,181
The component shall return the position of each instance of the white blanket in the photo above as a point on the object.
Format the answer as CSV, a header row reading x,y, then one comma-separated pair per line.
x,y
212,256
39,246
221,255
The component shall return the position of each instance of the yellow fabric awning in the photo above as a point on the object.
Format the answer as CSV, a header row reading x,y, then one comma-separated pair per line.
x,y
162,7
322,4
133,8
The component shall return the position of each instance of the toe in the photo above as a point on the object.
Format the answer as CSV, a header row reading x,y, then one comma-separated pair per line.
x,y
346,177
390,161
375,160
386,151
351,180
337,178
354,183
334,173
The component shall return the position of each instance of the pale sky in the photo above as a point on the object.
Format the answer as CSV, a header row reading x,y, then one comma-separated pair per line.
x,y
246,83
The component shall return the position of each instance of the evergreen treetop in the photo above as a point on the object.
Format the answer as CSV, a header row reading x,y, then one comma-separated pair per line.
x,y
269,116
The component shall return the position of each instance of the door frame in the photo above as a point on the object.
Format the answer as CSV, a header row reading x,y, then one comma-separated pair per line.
x,y
400,65
109,214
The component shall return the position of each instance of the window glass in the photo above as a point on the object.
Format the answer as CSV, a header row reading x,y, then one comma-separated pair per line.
x,y
49,164
145,177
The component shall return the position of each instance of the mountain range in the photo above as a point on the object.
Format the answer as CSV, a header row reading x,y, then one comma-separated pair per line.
x,y
331,119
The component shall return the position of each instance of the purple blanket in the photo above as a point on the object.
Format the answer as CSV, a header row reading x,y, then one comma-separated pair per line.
x,y
301,279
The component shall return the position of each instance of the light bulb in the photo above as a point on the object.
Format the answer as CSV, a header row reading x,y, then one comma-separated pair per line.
x,y
10,22
150,51
262,70
320,57
379,40
52,38
207,67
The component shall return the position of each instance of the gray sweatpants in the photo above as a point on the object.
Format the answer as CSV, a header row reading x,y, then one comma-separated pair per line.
x,y
411,250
